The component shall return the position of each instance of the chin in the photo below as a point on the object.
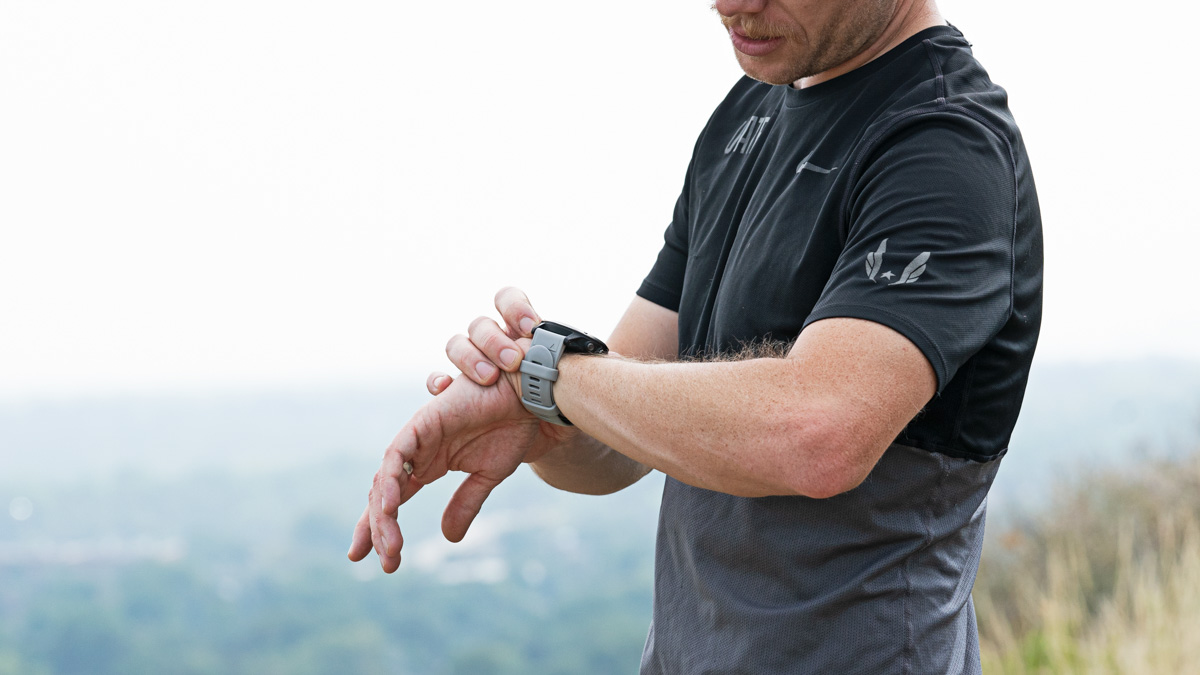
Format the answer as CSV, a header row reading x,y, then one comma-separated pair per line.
x,y
768,72
766,78
767,75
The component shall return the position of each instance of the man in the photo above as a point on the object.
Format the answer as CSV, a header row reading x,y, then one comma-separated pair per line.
x,y
864,197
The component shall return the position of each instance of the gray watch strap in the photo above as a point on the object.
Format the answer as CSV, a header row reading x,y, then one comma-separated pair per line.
x,y
539,371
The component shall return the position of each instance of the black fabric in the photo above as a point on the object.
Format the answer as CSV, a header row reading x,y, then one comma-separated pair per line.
x,y
782,221
802,205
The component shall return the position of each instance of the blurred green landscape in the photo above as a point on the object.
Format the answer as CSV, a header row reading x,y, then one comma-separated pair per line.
x,y
217,573
207,534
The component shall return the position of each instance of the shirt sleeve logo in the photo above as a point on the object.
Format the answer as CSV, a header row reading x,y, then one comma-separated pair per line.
x,y
911,273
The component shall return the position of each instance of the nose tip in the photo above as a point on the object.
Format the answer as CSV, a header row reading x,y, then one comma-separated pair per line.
x,y
732,7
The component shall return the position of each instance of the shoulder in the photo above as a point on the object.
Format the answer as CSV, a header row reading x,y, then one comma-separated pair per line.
x,y
941,93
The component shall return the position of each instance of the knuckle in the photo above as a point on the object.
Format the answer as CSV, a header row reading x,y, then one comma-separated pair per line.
x,y
391,454
455,345
487,336
494,342
511,301
502,294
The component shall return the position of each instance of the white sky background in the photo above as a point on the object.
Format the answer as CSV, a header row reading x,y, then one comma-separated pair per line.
x,y
265,193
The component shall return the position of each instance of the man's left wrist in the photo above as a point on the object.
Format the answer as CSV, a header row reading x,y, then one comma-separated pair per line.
x,y
539,369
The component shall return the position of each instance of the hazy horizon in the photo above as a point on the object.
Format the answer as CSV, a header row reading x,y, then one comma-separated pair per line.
x,y
261,193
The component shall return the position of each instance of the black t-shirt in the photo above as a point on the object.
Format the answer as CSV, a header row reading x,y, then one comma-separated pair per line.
x,y
899,193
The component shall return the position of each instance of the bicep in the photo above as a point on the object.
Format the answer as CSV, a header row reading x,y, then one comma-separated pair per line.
x,y
929,249
874,379
646,331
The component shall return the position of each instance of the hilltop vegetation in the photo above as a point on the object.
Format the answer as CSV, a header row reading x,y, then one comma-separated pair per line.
x,y
1104,580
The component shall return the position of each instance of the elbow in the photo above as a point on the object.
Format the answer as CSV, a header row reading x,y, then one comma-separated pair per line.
x,y
825,459
834,483
826,483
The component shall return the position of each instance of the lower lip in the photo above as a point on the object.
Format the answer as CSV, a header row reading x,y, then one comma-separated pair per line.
x,y
751,47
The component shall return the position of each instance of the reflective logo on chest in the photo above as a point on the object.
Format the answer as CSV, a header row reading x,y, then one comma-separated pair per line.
x,y
747,135
806,165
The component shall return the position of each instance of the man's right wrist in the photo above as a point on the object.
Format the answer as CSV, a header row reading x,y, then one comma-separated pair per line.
x,y
553,440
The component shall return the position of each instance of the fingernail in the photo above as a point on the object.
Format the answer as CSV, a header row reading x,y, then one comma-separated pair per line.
x,y
386,547
508,356
527,326
437,383
485,370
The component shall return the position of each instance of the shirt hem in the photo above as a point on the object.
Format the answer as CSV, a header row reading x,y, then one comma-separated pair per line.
x,y
659,295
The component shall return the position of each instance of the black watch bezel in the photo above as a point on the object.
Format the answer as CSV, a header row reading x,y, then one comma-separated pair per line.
x,y
575,341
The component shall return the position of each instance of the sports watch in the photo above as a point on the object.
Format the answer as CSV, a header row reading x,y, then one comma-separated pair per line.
x,y
539,368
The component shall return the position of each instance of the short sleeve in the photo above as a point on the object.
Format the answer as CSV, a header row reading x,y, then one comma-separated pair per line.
x,y
664,284
929,240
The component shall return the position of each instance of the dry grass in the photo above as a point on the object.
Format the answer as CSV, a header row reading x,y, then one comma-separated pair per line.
x,y
1107,580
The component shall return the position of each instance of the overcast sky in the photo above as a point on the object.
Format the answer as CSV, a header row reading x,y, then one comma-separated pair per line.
x,y
265,193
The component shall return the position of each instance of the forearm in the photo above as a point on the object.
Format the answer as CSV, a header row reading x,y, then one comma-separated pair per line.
x,y
750,428
580,463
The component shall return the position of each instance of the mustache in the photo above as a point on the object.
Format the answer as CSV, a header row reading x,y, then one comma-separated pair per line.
x,y
753,27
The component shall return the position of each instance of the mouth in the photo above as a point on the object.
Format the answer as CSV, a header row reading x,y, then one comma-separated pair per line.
x,y
742,33
751,44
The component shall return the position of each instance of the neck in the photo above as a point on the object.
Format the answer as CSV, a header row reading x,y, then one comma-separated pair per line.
x,y
911,17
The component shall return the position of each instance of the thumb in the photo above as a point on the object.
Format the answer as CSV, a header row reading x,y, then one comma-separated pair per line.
x,y
465,504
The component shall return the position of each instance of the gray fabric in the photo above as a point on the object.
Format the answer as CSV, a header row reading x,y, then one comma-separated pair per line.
x,y
875,580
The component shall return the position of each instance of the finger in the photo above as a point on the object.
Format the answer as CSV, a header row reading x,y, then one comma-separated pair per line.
x,y
360,543
388,499
465,504
437,382
419,444
388,541
471,361
517,312
410,488
390,530
374,509
488,337
401,450
385,532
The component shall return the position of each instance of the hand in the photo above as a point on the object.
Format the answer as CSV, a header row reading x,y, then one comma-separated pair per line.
x,y
488,350
483,431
